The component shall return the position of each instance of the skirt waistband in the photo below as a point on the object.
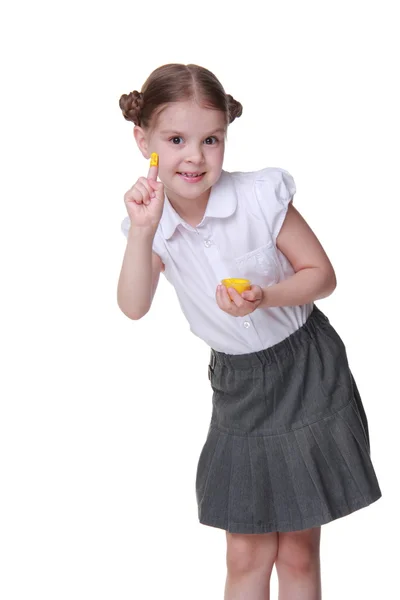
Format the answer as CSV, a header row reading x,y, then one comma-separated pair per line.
x,y
277,351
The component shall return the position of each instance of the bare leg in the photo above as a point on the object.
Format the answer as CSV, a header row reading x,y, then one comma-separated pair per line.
x,y
298,565
250,559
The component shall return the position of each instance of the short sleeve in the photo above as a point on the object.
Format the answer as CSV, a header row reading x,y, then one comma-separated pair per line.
x,y
125,226
275,189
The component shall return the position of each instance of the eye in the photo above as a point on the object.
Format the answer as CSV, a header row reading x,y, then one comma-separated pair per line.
x,y
211,143
174,140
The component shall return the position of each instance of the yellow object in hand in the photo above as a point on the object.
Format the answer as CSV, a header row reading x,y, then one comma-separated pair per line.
x,y
240,285
154,159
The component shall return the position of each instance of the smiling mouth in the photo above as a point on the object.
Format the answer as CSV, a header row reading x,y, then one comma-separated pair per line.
x,y
190,174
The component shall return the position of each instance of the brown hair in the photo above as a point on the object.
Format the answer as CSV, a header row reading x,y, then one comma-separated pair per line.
x,y
173,83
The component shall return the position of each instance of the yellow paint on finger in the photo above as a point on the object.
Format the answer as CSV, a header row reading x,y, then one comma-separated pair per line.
x,y
154,159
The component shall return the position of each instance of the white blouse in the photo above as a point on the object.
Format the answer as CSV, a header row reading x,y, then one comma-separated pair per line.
x,y
236,238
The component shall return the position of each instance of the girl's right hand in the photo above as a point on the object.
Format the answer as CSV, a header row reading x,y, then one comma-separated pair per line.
x,y
145,200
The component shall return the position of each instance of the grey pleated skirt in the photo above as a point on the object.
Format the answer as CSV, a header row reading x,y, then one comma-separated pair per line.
x,y
288,444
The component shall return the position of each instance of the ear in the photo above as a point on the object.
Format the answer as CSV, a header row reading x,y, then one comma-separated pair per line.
x,y
141,140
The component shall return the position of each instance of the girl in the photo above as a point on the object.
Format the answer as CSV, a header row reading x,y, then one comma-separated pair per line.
x,y
288,446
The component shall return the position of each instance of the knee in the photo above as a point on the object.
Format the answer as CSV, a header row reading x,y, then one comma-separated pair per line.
x,y
248,552
298,552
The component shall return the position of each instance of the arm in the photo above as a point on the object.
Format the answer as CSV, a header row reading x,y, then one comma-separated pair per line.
x,y
140,273
314,276
141,267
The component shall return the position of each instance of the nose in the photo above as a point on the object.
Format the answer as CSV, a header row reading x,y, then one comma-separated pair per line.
x,y
195,154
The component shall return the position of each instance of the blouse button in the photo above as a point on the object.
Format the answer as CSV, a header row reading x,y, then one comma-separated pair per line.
x,y
246,324
207,243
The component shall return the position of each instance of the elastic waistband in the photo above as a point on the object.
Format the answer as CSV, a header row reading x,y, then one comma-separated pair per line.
x,y
276,352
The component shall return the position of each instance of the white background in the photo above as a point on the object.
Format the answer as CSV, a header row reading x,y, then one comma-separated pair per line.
x,y
103,419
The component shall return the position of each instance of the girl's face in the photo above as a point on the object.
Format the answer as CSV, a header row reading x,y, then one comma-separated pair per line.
x,y
190,142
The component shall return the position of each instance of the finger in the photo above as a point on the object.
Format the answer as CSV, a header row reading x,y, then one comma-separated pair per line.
x,y
219,298
144,191
255,293
146,183
134,195
249,296
147,190
153,171
236,297
224,298
157,189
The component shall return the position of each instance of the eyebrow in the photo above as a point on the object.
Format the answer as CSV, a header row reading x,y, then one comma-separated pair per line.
x,y
173,131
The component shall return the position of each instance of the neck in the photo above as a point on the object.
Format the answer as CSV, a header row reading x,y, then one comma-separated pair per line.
x,y
191,211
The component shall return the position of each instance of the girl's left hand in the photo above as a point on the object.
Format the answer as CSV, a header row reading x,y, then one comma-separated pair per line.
x,y
239,305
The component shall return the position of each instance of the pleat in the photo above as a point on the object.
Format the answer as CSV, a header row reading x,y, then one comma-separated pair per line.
x,y
288,443
287,482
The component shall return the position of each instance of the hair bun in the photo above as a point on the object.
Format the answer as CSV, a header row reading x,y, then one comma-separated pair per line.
x,y
131,105
234,107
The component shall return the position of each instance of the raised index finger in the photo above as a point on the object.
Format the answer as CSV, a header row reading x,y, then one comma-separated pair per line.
x,y
153,171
